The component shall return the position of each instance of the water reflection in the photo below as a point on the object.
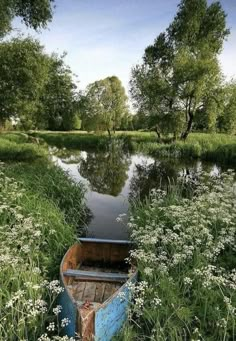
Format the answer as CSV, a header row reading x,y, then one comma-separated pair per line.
x,y
164,174
113,178
106,172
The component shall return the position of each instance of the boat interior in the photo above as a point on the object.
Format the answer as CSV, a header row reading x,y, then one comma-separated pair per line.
x,y
93,272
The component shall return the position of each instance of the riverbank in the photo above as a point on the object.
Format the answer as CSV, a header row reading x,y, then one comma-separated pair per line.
x,y
41,211
185,253
208,147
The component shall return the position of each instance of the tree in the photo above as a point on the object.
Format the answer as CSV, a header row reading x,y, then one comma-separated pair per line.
x,y
23,73
227,118
34,13
58,110
105,105
106,171
180,70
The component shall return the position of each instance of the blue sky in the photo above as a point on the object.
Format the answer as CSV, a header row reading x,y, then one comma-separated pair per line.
x,y
108,37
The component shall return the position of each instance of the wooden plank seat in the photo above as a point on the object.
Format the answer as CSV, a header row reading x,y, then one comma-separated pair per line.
x,y
96,276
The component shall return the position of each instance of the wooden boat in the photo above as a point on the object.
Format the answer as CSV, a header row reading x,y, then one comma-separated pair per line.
x,y
95,275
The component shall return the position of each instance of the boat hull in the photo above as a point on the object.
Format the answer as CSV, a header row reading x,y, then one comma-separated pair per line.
x,y
100,323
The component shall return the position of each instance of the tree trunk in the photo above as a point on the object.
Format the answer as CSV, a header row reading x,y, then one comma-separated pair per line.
x,y
158,133
184,135
109,133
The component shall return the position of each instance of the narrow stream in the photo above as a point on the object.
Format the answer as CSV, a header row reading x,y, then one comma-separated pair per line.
x,y
113,178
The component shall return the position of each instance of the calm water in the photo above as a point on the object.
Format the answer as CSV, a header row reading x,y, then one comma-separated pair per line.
x,y
113,178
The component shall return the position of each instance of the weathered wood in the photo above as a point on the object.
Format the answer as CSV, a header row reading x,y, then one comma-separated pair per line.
x,y
89,291
104,317
100,276
100,289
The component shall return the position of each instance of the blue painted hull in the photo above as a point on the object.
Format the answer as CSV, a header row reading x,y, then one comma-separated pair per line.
x,y
105,320
109,318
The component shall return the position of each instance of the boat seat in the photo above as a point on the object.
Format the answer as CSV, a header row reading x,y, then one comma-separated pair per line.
x,y
97,276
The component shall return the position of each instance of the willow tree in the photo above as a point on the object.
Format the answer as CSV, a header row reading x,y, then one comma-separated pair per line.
x,y
105,105
180,70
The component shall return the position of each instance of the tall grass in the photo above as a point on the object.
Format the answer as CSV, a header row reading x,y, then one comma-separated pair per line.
x,y
34,237
16,147
41,213
50,181
185,253
209,147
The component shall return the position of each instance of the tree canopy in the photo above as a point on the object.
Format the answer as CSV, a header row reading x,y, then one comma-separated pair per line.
x,y
36,89
104,105
34,13
23,72
180,71
58,99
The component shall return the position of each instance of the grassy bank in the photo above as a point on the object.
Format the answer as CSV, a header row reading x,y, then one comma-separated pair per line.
x,y
185,252
50,182
209,147
83,140
40,212
17,146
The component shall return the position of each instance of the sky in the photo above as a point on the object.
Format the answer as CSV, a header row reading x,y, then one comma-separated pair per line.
x,y
108,37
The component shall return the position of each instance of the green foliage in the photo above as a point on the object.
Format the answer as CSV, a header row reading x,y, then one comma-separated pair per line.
x,y
23,72
227,119
57,101
37,90
105,105
34,13
180,71
185,255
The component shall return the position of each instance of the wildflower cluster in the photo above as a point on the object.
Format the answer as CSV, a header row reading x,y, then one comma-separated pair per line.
x,y
185,251
26,297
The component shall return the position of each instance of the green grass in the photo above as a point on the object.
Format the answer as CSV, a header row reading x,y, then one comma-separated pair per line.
x,y
185,254
50,181
208,147
41,213
34,235
16,147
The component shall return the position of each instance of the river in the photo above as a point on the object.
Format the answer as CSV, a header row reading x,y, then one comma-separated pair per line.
x,y
113,178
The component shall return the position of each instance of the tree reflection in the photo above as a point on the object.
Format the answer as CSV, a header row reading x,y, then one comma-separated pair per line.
x,y
106,171
148,176
67,156
163,174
